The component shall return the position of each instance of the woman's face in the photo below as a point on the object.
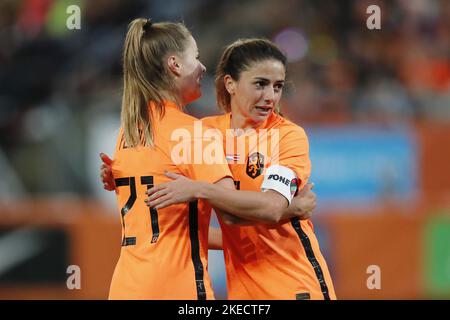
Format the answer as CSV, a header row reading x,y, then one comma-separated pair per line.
x,y
191,72
258,90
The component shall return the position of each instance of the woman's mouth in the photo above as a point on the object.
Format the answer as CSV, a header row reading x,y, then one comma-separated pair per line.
x,y
264,110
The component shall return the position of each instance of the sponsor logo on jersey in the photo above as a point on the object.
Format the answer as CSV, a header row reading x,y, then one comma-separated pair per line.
x,y
255,165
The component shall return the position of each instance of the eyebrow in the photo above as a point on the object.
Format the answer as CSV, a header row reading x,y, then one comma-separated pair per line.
x,y
265,79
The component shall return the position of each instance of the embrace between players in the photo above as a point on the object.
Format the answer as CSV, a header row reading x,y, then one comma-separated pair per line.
x,y
260,195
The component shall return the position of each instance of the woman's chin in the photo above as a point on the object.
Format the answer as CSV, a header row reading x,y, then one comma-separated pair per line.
x,y
259,117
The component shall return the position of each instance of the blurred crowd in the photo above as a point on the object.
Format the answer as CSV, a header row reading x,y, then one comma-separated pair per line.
x,y
53,80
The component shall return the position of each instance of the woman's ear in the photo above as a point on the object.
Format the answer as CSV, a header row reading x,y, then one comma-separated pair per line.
x,y
174,65
229,84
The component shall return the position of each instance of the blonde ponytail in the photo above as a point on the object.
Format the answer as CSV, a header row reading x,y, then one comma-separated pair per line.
x,y
146,78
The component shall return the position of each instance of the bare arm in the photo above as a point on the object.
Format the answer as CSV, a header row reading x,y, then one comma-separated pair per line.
x,y
109,184
301,206
266,206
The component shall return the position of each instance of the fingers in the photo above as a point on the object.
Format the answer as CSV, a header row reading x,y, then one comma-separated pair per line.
x,y
108,183
313,205
108,187
161,202
107,160
105,167
157,195
306,215
156,188
106,176
307,188
314,199
106,173
172,175
164,204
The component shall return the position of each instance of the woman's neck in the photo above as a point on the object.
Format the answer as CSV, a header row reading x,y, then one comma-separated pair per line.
x,y
173,98
239,121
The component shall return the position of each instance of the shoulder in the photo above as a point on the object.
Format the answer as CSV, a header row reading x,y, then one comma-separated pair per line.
x,y
217,121
289,130
177,120
178,117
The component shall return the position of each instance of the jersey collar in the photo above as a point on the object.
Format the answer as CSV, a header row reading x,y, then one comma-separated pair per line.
x,y
270,122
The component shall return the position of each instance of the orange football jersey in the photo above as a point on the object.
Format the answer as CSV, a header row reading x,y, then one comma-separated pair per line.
x,y
164,252
278,261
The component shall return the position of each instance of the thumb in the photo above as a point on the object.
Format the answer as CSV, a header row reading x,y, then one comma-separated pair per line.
x,y
308,187
106,160
171,175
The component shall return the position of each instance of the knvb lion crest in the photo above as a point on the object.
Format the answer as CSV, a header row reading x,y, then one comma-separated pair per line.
x,y
255,165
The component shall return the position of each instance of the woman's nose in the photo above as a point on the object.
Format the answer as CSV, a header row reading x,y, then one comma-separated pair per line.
x,y
269,94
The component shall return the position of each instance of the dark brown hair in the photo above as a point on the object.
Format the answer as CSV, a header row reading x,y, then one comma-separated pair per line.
x,y
240,56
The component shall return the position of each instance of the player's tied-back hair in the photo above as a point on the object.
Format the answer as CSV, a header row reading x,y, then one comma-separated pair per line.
x,y
146,77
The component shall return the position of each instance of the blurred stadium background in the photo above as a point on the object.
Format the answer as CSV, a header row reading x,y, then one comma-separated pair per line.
x,y
375,103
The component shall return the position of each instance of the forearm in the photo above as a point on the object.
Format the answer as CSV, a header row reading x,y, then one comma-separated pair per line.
x,y
250,205
232,219
289,212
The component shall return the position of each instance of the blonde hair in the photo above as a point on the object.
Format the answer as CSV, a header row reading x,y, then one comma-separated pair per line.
x,y
240,56
146,77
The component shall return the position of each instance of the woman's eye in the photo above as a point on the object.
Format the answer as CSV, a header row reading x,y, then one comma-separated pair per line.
x,y
260,84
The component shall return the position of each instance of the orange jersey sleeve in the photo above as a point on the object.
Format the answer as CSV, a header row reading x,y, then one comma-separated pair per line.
x,y
294,152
